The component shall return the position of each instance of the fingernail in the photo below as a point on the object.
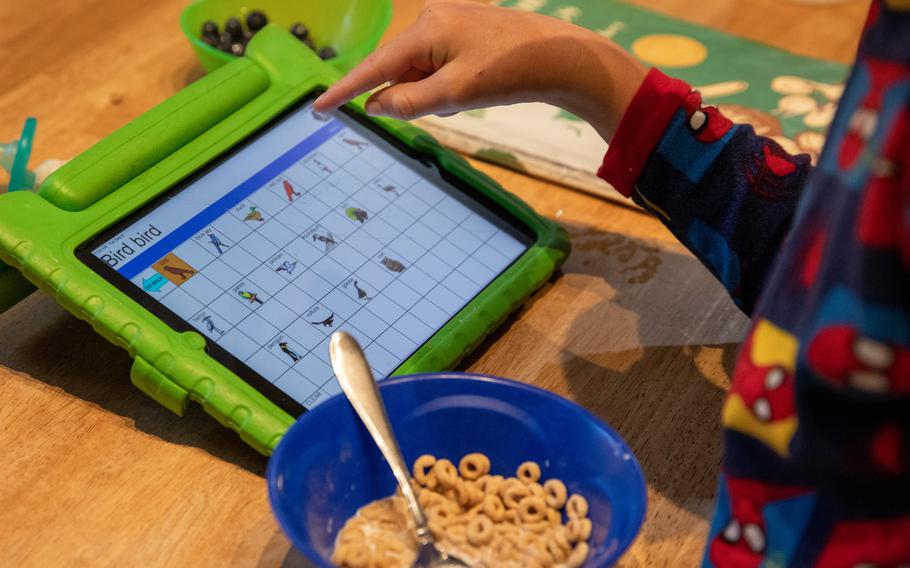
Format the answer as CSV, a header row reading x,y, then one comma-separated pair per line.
x,y
374,108
320,103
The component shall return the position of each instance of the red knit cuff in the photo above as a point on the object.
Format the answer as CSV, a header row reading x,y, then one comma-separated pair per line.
x,y
641,128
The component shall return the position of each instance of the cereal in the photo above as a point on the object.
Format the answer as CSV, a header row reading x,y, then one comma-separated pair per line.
x,y
443,511
458,534
558,553
532,509
561,540
422,467
475,495
514,493
446,473
431,481
353,555
578,556
490,484
539,527
529,472
577,507
451,494
473,466
579,529
463,495
556,493
493,508
425,497
480,530
488,520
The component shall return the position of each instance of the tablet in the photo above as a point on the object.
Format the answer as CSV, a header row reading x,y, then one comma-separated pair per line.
x,y
223,235
313,224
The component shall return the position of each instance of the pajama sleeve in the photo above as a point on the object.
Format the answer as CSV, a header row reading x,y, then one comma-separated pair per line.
x,y
727,193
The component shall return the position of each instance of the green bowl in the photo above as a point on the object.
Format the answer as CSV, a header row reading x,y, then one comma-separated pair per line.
x,y
352,27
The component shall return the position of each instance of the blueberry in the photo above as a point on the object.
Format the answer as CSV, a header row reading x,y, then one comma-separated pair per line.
x,y
309,43
300,31
327,52
212,41
235,28
225,41
238,49
247,36
210,30
256,20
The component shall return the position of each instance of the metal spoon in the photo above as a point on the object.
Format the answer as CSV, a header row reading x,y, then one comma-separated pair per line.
x,y
357,382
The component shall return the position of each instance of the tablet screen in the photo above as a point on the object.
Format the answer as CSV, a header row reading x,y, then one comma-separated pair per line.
x,y
314,224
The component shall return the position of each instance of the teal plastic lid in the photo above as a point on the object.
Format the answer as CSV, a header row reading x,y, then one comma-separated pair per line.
x,y
14,158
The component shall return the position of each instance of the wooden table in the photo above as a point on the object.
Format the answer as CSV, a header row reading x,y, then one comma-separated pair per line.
x,y
95,473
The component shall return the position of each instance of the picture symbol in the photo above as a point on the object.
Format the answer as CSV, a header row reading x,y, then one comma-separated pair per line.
x,y
392,264
327,322
328,240
216,242
390,189
183,273
356,214
322,166
289,190
250,297
359,144
288,351
253,215
287,266
361,293
210,325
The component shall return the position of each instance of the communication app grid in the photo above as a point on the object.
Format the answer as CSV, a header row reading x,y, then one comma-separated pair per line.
x,y
332,234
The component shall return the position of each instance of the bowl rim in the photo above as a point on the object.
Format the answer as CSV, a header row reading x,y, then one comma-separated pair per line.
x,y
349,58
638,473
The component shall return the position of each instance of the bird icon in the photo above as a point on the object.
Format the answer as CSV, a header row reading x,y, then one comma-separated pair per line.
x,y
288,351
216,242
287,266
328,240
210,325
183,273
358,144
392,264
254,215
361,293
289,190
356,214
327,322
250,297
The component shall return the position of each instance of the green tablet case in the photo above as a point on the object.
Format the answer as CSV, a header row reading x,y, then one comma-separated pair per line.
x,y
40,232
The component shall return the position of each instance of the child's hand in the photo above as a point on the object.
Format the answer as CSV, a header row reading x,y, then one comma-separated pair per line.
x,y
461,55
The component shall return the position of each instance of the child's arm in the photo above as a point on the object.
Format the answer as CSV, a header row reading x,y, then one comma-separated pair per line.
x,y
461,55
725,192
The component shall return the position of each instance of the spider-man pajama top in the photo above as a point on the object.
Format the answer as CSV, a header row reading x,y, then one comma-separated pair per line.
x,y
816,426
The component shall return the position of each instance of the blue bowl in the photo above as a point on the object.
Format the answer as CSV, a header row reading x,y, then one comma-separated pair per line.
x,y
326,466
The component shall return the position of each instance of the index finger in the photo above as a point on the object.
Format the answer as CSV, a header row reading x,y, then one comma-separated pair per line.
x,y
383,65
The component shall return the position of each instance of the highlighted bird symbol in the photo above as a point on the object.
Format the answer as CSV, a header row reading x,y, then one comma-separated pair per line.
x,y
253,215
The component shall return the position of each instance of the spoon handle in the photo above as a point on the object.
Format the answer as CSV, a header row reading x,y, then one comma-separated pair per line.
x,y
356,380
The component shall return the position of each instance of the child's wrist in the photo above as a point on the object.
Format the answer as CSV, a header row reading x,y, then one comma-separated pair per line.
x,y
604,86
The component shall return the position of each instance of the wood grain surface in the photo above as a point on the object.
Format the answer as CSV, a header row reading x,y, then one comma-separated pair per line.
x,y
96,474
